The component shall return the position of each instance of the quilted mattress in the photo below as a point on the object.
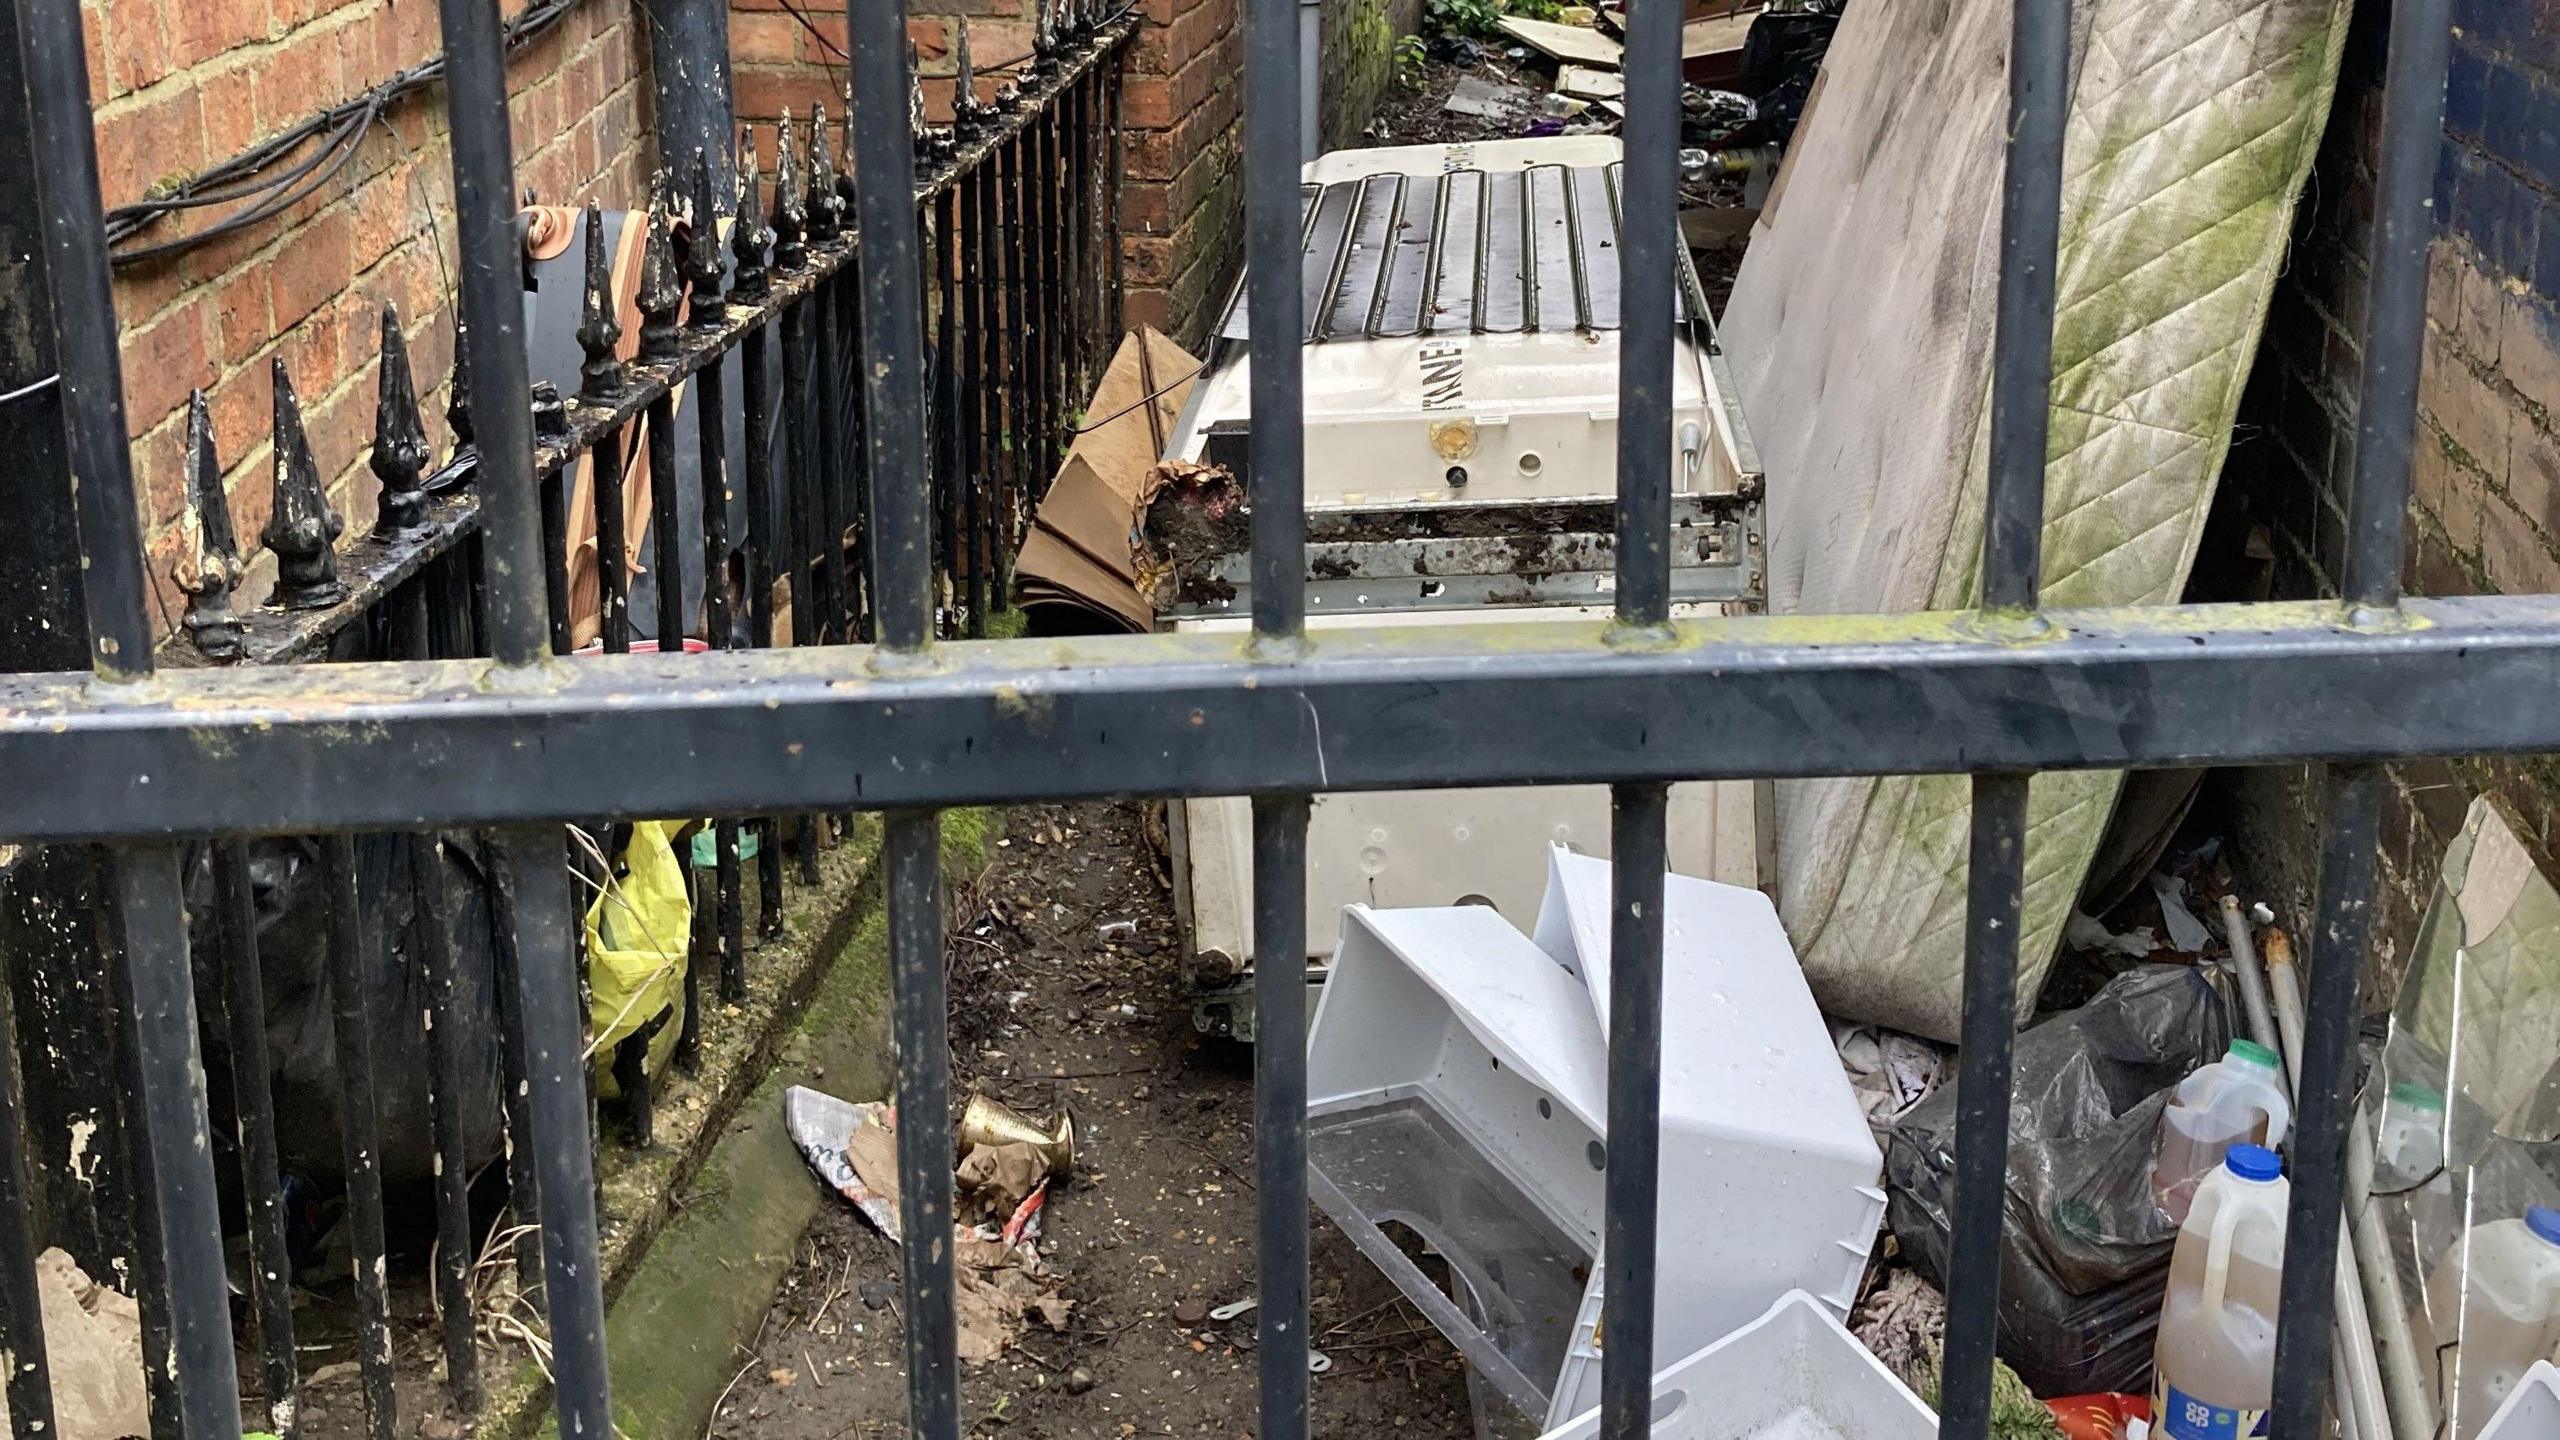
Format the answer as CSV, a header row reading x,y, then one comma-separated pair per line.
x,y
1860,335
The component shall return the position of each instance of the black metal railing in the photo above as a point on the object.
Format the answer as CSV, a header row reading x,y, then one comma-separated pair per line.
x,y
905,725
770,311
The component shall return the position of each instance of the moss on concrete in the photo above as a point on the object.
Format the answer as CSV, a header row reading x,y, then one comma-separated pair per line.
x,y
700,1228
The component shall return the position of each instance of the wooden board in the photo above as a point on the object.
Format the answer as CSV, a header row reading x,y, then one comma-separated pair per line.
x,y
1573,44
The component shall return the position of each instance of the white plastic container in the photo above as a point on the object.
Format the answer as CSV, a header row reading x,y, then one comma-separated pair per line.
x,y
2238,1100
2532,1411
2216,1359
1792,1374
1758,1119
2489,1332
1456,1080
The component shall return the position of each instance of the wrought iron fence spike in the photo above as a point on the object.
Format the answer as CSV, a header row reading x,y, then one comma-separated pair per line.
x,y
599,330
209,568
399,438
703,269
661,290
964,85
302,528
457,403
790,205
750,239
826,206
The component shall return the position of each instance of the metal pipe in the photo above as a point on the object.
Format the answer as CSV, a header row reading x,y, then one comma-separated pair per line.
x,y
2404,223
150,1256
112,583
2325,1076
492,307
450,1050
160,988
689,68
2386,1311
2030,245
2253,976
1632,1186
515,1084
1995,883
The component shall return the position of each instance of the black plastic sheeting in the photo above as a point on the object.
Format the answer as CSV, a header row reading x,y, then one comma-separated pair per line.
x,y
2085,1255
293,937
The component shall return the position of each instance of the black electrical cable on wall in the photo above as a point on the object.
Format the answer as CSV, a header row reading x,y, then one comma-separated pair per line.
x,y
245,180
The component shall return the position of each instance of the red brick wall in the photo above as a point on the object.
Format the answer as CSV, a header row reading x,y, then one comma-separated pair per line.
x,y
2485,510
183,84
1182,198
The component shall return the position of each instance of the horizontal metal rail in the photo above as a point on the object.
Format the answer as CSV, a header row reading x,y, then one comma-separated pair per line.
x,y
407,745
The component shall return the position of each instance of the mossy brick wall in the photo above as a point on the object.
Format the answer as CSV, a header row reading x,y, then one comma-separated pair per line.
x,y
1181,198
1358,49
180,85
2485,507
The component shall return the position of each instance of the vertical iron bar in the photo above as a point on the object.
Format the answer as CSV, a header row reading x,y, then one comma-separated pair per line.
x,y
853,490
946,402
1637,815
727,940
1649,267
970,592
524,1185
833,467
1276,464
554,503
1275,455
2022,361
1006,216
111,571
892,369
1995,879
159,987
1111,146
2396,302
30,1380
351,984
253,1099
449,1054
563,1146
803,521
492,301
1280,1108
150,1255
663,516
762,539
613,552
2316,1154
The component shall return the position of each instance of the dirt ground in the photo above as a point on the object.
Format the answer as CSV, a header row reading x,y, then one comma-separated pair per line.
x,y
1160,1214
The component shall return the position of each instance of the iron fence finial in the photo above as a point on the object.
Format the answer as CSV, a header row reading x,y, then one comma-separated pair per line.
x,y
209,568
302,528
457,403
703,269
399,438
826,206
661,292
750,240
599,331
790,210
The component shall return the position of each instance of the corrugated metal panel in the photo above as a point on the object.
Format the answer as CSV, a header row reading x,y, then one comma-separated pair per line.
x,y
1502,252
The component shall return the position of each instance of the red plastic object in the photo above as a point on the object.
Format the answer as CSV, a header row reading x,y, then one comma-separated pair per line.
x,y
2098,1417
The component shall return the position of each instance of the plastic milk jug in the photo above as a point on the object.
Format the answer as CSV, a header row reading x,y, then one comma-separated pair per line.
x,y
2237,1099
2488,1333
2214,1370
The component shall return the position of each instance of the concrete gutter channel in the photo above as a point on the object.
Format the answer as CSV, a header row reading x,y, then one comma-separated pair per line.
x,y
699,1230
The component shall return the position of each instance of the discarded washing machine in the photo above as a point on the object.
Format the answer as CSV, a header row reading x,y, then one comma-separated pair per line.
x,y
1457,1091
1461,356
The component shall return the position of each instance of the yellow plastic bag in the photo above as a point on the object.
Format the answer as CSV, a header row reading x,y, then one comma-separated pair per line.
x,y
639,938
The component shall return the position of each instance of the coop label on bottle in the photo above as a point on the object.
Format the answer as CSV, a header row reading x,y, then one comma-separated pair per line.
x,y
2177,1415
